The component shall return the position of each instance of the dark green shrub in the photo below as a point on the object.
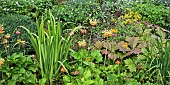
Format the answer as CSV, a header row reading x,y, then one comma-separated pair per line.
x,y
10,24
32,8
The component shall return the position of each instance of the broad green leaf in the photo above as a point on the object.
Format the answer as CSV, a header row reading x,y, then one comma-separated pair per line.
x,y
97,55
130,64
88,82
15,76
42,81
87,74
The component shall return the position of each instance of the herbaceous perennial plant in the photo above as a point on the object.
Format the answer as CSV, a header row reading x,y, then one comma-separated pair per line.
x,y
51,49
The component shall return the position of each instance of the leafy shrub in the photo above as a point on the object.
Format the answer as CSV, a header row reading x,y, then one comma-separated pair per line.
x,y
154,14
32,8
18,69
10,24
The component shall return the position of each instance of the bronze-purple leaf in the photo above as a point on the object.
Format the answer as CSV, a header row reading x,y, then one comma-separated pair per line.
x,y
127,54
104,51
113,56
136,51
123,46
98,44
142,45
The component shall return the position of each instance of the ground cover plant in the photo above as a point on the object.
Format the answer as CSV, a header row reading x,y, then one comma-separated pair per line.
x,y
84,42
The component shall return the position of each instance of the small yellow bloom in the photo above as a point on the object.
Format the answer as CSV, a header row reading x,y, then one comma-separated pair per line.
x,y
93,23
125,45
114,30
5,41
1,30
7,36
81,43
19,40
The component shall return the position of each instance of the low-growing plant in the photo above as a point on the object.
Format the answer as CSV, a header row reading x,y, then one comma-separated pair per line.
x,y
19,69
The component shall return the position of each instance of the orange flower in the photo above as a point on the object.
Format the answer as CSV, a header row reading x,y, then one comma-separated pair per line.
x,y
114,30
82,43
7,36
107,33
83,31
87,59
63,70
125,45
93,23
2,61
117,62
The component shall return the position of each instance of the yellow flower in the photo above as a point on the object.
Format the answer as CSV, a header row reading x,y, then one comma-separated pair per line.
x,y
19,40
7,36
81,43
1,30
114,30
125,45
5,41
93,23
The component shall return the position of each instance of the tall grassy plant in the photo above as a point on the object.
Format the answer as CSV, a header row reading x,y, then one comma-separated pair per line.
x,y
164,61
51,49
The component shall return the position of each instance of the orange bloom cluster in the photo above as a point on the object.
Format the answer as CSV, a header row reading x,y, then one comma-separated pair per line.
x,y
108,33
82,43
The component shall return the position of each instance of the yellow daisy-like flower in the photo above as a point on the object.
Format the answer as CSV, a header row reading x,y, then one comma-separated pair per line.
x,y
125,45
114,30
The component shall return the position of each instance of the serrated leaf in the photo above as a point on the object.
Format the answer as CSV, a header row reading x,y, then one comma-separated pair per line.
x,y
142,45
113,56
104,51
130,64
136,51
97,55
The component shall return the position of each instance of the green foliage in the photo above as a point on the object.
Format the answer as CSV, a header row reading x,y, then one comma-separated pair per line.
x,y
19,69
50,47
154,14
32,8
10,24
